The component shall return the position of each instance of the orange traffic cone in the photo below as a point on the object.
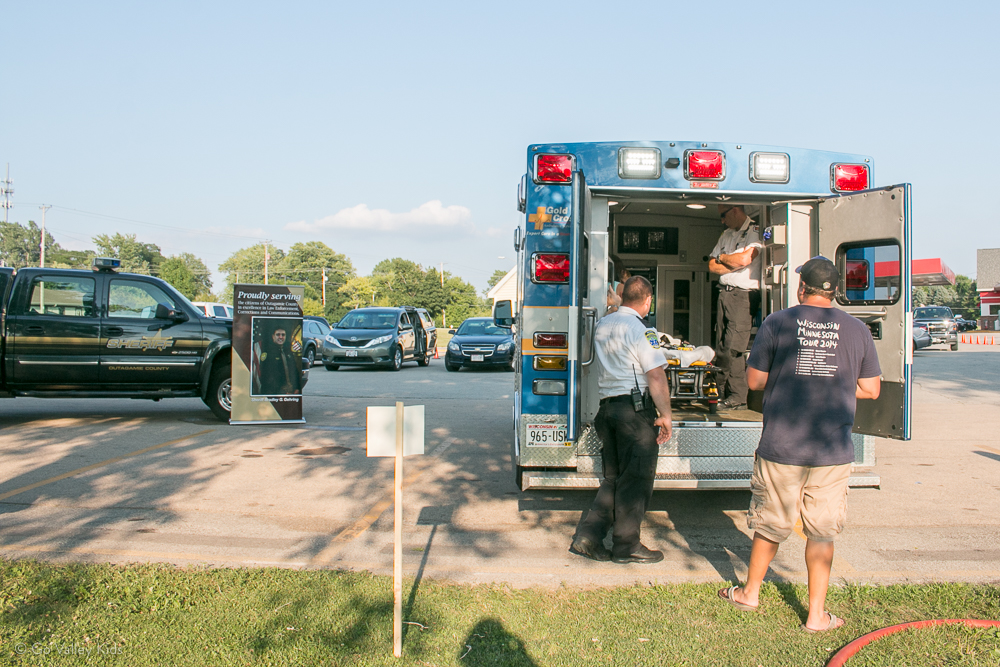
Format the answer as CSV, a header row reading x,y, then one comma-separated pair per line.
x,y
436,356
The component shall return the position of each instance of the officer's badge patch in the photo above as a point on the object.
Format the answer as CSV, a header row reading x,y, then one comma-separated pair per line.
x,y
653,340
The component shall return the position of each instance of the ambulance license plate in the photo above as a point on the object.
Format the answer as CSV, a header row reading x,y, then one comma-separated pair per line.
x,y
546,435
477,357
352,353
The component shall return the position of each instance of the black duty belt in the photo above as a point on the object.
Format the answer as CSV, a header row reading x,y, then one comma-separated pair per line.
x,y
731,288
624,398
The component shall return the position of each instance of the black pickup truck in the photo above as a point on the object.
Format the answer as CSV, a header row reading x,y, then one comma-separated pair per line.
x,y
102,334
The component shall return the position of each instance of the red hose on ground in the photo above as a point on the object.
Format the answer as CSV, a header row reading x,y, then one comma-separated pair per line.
x,y
841,657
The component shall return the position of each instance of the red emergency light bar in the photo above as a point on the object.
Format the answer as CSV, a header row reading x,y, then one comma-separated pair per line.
x,y
549,340
848,177
550,268
704,165
553,168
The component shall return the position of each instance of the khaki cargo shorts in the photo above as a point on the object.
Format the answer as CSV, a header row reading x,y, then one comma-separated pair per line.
x,y
783,493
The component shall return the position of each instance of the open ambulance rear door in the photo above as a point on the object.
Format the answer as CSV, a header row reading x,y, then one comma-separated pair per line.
x,y
867,234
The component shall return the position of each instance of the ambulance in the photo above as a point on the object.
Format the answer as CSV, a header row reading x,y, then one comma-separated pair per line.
x,y
655,205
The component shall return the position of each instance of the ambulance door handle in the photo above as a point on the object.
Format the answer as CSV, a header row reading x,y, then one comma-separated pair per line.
x,y
874,314
590,313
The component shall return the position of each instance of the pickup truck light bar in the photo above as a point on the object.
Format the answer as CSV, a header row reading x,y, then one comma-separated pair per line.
x,y
704,165
848,177
106,264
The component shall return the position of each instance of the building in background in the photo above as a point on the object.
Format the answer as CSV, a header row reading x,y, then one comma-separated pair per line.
x,y
506,288
988,284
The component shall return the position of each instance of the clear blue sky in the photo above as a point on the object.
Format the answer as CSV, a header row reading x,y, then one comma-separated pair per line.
x,y
399,129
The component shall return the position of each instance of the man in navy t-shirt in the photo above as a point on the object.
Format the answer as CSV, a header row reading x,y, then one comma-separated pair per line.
x,y
813,362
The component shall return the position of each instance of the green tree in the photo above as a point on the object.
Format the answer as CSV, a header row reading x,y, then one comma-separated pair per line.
x,y
495,278
307,262
136,257
462,301
69,259
431,294
20,245
362,291
400,279
246,266
176,272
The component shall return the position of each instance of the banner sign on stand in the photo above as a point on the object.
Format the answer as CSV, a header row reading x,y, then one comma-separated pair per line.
x,y
267,354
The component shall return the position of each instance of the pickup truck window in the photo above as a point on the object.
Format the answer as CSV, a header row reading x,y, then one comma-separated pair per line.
x,y
60,295
135,299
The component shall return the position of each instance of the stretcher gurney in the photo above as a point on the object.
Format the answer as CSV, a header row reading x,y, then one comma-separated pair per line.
x,y
690,372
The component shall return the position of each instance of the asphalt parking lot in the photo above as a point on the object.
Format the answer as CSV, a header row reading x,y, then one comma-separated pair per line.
x,y
120,481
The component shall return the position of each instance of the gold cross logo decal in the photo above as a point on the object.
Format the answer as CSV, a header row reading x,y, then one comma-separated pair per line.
x,y
539,218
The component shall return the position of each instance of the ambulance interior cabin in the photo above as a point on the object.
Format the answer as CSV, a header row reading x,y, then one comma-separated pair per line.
x,y
669,243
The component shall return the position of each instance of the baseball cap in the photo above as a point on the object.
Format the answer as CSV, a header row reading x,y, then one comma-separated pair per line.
x,y
819,272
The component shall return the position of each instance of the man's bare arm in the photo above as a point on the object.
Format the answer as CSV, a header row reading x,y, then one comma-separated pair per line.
x,y
659,389
869,387
738,260
756,379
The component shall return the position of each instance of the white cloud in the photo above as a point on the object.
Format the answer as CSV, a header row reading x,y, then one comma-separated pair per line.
x,y
432,216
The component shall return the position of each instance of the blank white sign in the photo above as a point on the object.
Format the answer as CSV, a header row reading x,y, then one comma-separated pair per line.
x,y
382,430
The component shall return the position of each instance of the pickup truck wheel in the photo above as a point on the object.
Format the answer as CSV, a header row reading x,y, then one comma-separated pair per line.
x,y
954,347
219,397
397,359
331,367
311,356
424,360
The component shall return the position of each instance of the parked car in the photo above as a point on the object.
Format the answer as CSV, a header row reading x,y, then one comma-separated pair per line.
x,y
314,333
965,325
317,318
211,309
380,337
478,342
921,338
940,324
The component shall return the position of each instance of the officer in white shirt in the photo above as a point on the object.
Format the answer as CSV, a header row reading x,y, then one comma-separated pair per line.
x,y
735,261
633,386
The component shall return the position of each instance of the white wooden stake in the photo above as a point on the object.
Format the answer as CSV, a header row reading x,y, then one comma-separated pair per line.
x,y
397,557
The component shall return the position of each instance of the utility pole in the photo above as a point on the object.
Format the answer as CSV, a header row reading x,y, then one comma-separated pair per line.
x,y
443,315
44,208
6,191
267,256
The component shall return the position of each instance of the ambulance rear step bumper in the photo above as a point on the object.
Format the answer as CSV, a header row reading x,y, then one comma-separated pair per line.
x,y
549,480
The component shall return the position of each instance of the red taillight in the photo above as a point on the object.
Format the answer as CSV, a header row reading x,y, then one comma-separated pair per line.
x,y
849,177
549,340
705,165
551,268
553,168
857,274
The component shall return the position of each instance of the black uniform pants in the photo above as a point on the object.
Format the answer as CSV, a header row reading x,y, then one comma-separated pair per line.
x,y
629,457
733,322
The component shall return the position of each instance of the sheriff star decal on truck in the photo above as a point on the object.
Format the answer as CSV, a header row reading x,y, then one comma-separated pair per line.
x,y
144,343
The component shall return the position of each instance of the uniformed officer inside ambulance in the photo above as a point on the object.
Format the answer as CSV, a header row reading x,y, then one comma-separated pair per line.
x,y
633,386
735,261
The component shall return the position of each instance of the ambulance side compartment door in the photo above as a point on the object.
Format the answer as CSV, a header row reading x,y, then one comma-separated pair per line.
x,y
867,234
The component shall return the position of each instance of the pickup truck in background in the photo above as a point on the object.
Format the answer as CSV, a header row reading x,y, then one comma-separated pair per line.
x,y
939,322
69,333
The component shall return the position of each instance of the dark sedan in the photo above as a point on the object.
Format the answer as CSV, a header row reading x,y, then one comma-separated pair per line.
x,y
480,343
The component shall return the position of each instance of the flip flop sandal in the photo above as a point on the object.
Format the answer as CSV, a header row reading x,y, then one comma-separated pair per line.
x,y
727,595
832,625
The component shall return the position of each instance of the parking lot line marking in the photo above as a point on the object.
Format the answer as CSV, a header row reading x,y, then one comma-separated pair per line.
x,y
989,449
376,510
50,480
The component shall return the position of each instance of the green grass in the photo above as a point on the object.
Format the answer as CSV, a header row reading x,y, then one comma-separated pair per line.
x,y
158,615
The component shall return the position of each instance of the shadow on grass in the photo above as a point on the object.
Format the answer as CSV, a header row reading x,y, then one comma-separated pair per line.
x,y
490,643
